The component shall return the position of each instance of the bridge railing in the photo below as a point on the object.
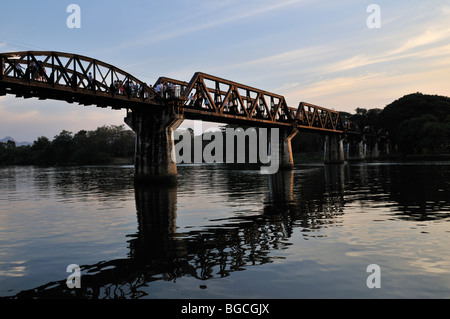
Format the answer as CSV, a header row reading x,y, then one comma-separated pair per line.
x,y
73,72
315,117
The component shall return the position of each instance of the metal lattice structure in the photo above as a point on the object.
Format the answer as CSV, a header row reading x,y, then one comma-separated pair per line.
x,y
207,96
72,78
79,79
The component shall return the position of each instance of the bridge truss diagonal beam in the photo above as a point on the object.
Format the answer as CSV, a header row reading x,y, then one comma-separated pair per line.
x,y
87,81
73,78
210,97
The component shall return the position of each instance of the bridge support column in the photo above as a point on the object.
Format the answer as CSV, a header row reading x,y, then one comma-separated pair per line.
x,y
154,143
371,149
286,156
333,149
354,150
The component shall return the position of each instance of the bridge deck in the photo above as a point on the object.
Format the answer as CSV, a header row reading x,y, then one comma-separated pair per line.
x,y
74,78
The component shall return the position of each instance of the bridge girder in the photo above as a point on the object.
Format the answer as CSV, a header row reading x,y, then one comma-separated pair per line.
x,y
87,81
209,97
72,78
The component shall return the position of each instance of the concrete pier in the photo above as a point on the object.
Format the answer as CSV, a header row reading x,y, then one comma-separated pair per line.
x,y
333,149
354,148
371,150
286,156
154,143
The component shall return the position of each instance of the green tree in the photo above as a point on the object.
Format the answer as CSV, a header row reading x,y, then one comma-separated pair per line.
x,y
434,137
84,150
409,107
85,147
42,152
122,144
63,147
366,118
7,152
424,135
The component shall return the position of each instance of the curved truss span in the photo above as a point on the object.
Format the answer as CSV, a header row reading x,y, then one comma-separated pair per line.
x,y
72,78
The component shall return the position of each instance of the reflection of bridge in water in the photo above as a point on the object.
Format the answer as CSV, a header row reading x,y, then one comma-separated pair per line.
x,y
307,200
158,252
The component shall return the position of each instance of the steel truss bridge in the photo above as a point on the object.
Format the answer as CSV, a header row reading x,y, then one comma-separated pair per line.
x,y
87,81
155,111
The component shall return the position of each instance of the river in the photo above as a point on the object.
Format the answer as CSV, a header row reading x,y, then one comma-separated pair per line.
x,y
359,230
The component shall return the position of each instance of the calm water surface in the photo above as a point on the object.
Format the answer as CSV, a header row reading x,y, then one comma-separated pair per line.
x,y
307,233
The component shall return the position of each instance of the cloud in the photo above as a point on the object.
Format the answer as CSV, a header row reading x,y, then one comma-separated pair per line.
x,y
364,70
372,90
210,18
431,36
326,90
287,58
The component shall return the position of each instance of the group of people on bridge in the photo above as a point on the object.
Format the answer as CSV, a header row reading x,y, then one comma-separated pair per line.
x,y
130,88
169,90
35,71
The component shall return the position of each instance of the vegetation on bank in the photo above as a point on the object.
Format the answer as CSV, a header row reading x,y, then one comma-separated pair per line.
x,y
104,145
417,124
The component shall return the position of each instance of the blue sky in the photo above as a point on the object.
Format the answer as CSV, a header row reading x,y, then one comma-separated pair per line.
x,y
321,52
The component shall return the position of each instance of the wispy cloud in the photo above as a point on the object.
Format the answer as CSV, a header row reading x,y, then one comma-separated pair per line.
x,y
213,19
360,68
431,36
371,90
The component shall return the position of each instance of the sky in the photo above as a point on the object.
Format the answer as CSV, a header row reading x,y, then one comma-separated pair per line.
x,y
323,52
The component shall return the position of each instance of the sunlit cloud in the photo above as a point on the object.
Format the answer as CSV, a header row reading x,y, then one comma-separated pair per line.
x,y
367,72
348,93
430,36
286,58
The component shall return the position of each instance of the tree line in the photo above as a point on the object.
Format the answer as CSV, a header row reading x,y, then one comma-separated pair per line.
x,y
104,145
417,124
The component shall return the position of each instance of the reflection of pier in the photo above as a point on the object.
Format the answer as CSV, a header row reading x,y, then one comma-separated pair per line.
x,y
305,200
158,252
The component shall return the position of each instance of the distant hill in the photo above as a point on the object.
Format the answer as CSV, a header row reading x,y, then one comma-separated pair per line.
x,y
6,139
418,123
413,106
9,138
